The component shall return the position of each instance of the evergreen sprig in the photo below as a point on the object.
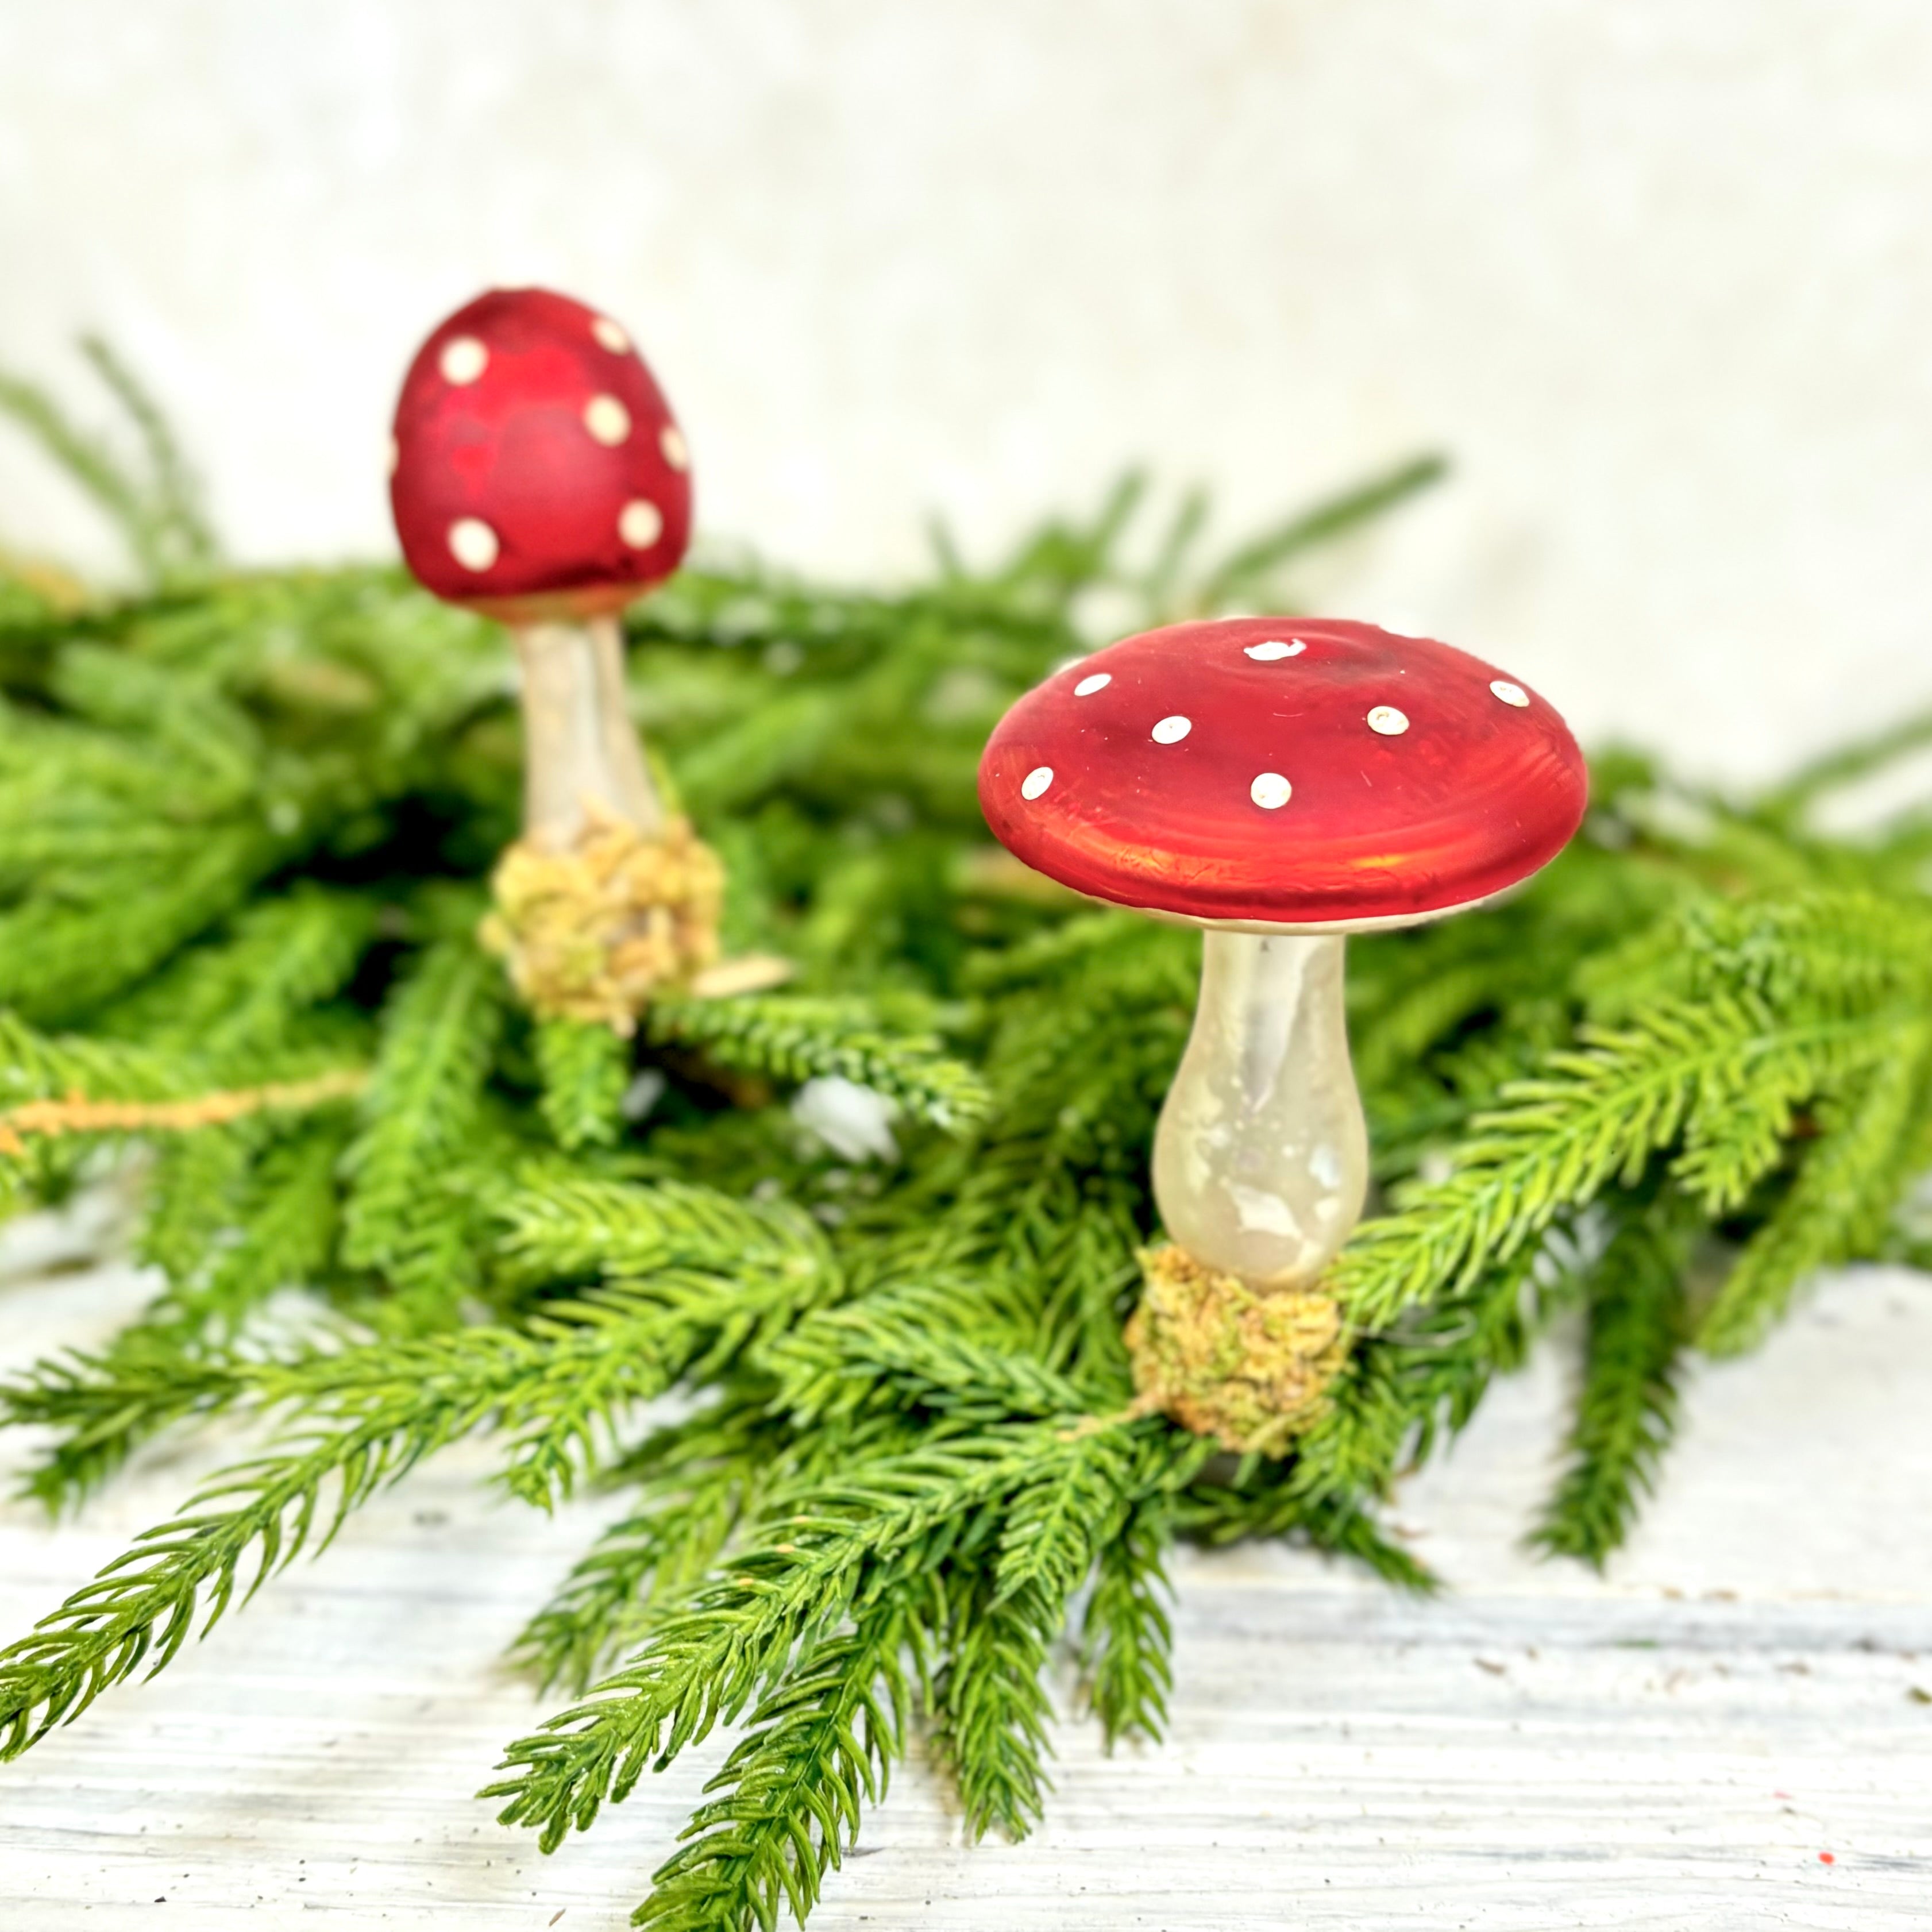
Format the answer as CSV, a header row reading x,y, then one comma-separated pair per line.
x,y
245,820
795,1037
1627,1409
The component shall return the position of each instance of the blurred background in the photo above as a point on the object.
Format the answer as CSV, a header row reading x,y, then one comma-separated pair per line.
x,y
1657,276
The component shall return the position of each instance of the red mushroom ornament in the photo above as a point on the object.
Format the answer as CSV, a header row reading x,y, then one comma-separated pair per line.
x,y
537,476
1280,783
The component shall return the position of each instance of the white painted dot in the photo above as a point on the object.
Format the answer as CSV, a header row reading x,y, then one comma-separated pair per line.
x,y
1273,650
610,335
677,451
1171,730
472,543
463,360
1087,686
607,420
1270,791
1388,721
1037,781
640,523
1510,694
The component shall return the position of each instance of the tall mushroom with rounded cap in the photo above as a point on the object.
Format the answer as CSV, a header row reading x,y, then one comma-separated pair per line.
x,y
1280,783
537,476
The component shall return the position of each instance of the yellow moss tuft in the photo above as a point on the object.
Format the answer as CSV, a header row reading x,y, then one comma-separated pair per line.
x,y
594,932
1250,1370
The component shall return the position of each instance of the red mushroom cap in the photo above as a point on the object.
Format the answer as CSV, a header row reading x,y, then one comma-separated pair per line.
x,y
536,470
1283,772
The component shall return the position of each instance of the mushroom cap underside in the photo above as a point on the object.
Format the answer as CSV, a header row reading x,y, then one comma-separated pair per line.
x,y
1283,772
537,467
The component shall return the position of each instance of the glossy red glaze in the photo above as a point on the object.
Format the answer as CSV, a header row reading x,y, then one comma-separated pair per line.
x,y
1475,794
512,449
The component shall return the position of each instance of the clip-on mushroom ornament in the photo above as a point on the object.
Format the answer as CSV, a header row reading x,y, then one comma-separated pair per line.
x,y
537,476
1280,783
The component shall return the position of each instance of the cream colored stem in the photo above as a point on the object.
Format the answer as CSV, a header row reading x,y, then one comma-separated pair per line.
x,y
1261,1160
581,756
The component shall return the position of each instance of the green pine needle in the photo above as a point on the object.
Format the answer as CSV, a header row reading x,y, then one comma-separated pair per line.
x,y
585,1070
1627,1410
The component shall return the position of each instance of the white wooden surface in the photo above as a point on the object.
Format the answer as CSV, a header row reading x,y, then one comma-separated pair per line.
x,y
1682,1746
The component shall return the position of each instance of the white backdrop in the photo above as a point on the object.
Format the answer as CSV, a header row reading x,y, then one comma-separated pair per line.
x,y
1658,274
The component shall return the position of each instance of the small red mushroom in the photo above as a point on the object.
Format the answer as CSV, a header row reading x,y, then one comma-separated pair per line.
x,y
537,476
1280,783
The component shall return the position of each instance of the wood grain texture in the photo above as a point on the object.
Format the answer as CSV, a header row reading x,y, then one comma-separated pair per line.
x,y
1674,1747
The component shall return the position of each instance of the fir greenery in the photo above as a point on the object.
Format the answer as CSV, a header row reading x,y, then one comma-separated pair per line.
x,y
244,822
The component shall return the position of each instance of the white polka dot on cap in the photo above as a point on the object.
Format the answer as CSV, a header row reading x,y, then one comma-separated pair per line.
x,y
463,360
473,543
607,420
641,522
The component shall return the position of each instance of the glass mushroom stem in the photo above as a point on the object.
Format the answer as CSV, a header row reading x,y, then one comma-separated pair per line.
x,y
583,763
1260,1156
608,898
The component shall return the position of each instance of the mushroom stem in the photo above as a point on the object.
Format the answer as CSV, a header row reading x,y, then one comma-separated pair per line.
x,y
1260,1157
582,761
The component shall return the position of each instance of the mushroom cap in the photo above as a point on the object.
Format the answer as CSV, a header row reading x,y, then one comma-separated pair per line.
x,y
537,470
1278,773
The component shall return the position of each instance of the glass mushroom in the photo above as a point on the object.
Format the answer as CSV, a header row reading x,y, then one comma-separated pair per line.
x,y
537,476
1280,783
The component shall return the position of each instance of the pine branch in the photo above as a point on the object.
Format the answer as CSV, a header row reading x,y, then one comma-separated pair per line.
x,y
181,536
1786,803
993,1714
585,1070
992,1703
60,960
849,1544
144,1603
821,1745
239,996
1403,1393
89,464
424,1101
1250,571
192,1199
1345,1528
285,1222
563,1229
947,1346
1127,1638
1840,1203
377,1411
795,1036
213,751
1596,1116
35,1065
702,1478
1627,1410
